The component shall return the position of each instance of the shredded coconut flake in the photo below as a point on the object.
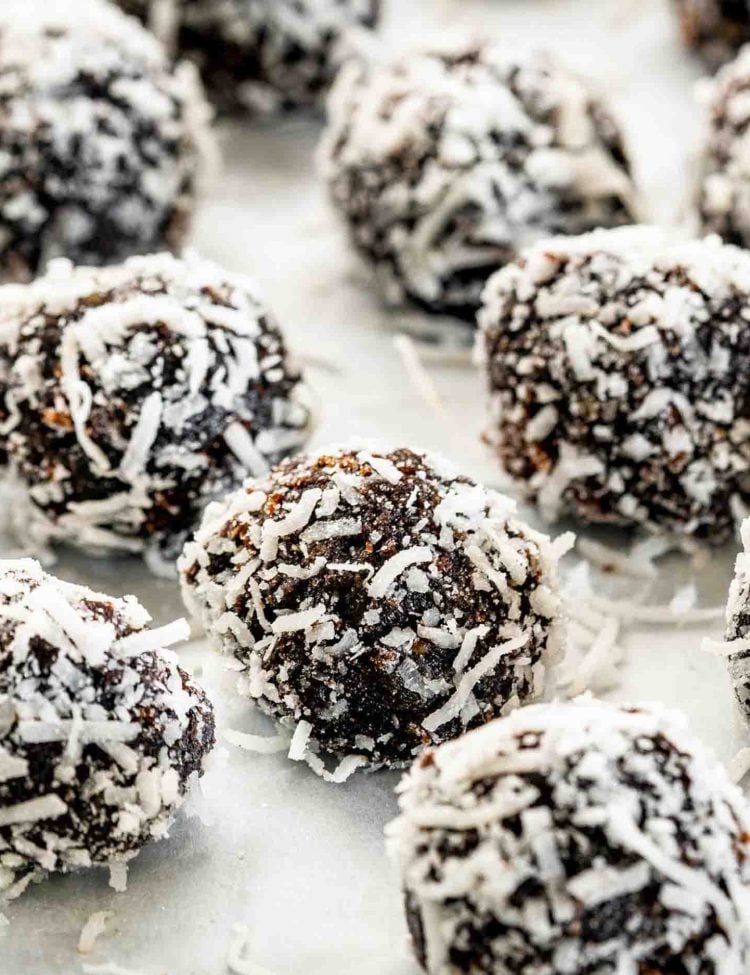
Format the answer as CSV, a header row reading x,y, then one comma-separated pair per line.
x,y
256,743
92,930
392,569
238,958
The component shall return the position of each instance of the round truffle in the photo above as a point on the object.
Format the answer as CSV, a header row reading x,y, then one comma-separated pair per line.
x,y
378,602
738,625
575,838
101,733
716,29
8,336
724,189
446,162
262,55
139,393
101,139
616,364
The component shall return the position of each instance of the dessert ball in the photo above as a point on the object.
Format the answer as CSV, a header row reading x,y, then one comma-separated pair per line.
x,y
724,189
100,138
616,364
575,838
262,55
8,345
446,162
139,393
377,601
101,732
716,29
738,624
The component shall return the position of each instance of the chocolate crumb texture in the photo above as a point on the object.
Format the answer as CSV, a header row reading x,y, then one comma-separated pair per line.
x,y
263,56
444,163
377,601
101,733
616,366
574,839
102,140
136,394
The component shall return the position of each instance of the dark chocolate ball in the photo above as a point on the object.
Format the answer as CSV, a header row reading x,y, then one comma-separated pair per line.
x,y
574,839
445,162
139,393
378,602
100,138
101,733
262,55
616,364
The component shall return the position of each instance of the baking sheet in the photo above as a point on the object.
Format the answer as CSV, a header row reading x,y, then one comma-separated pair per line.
x,y
299,862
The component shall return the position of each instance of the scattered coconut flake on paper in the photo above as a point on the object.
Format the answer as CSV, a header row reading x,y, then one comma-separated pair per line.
x,y
238,954
417,374
118,876
92,930
257,743
594,655
631,611
108,968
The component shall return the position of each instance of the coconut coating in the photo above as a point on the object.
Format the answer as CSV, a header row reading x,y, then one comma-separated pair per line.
x,y
716,29
616,365
377,601
724,189
11,303
8,333
101,140
738,625
263,55
445,162
100,731
139,393
575,839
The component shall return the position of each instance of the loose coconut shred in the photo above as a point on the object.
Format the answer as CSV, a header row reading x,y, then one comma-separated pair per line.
x,y
102,141
378,602
101,732
262,55
575,838
137,394
448,161
616,365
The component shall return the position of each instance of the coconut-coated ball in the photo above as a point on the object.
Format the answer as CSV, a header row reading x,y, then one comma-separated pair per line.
x,y
8,336
377,601
139,393
262,55
573,839
101,733
616,366
445,162
724,184
101,139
